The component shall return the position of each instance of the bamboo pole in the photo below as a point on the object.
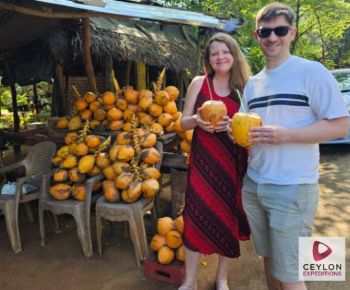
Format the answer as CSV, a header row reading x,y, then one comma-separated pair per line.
x,y
141,75
89,69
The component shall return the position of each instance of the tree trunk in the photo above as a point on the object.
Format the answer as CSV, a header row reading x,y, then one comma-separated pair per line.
x,y
319,22
199,54
297,19
89,69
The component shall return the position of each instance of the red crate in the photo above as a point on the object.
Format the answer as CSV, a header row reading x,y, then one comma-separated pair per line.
x,y
173,273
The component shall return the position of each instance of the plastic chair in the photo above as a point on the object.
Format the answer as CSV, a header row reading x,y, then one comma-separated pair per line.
x,y
80,210
36,163
133,213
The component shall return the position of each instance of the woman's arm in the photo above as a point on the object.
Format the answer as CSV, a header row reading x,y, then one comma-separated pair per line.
x,y
189,119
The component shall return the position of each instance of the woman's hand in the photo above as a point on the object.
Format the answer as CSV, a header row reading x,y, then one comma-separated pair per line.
x,y
221,126
206,126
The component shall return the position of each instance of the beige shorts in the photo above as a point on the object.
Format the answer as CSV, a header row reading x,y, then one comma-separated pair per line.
x,y
278,215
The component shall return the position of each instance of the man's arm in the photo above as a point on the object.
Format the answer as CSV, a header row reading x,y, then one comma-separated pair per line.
x,y
319,131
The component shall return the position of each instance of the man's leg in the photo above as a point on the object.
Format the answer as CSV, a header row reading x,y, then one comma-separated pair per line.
x,y
271,282
291,209
293,286
259,226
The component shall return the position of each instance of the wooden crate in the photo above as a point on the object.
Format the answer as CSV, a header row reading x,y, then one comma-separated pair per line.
x,y
173,273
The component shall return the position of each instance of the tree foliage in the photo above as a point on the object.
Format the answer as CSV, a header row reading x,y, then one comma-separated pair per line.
x,y
323,27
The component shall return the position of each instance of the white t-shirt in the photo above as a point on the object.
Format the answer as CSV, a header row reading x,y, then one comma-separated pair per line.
x,y
295,94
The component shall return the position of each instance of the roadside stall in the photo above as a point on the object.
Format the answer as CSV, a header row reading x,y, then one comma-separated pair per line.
x,y
119,72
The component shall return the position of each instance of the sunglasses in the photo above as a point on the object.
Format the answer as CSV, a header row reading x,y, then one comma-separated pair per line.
x,y
279,31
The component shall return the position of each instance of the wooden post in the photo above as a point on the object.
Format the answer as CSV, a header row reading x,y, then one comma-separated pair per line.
x,y
89,69
16,120
35,99
108,73
127,73
180,85
61,98
141,75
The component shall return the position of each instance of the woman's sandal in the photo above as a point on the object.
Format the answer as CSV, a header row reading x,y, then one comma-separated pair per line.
x,y
184,287
221,285
187,288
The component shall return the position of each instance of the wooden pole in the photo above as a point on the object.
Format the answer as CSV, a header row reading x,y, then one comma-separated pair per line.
x,y
16,120
108,73
35,99
61,98
127,73
180,85
89,69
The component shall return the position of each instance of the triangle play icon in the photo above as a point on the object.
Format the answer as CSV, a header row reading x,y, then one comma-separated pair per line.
x,y
316,251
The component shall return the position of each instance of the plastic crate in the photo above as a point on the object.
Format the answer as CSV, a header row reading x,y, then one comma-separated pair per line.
x,y
173,273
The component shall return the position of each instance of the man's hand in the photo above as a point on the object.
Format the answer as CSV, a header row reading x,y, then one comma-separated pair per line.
x,y
229,131
269,135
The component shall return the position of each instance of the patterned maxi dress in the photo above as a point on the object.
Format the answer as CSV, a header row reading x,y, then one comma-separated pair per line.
x,y
213,214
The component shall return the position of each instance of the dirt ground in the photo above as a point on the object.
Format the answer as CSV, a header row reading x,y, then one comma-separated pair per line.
x,y
60,264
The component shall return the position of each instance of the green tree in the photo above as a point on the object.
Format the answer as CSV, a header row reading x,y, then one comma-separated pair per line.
x,y
323,27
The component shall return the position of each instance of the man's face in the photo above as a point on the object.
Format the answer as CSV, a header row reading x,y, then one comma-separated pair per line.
x,y
274,46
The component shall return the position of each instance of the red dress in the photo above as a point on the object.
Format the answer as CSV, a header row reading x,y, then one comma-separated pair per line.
x,y
213,215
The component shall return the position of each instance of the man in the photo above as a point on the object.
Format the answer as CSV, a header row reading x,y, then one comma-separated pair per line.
x,y
300,105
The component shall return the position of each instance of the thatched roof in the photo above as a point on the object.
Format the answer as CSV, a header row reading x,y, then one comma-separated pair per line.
x,y
162,45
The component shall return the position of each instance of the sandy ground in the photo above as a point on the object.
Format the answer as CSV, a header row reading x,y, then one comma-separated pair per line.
x,y
61,265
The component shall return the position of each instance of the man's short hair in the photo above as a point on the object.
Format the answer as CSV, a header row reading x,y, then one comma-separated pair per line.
x,y
273,10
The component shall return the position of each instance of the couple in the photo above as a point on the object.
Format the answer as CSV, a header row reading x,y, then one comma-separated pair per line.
x,y
300,105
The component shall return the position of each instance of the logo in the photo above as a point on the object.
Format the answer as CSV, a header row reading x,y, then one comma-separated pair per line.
x,y
322,259
316,251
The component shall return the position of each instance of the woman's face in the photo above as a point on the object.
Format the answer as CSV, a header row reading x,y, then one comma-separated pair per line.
x,y
220,57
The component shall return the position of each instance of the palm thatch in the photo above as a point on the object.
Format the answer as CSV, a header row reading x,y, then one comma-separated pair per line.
x,y
152,43
162,45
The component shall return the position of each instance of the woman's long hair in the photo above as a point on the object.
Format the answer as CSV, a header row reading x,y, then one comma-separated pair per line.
x,y
240,71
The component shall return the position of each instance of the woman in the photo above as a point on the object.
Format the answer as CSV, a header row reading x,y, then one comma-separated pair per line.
x,y
213,215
